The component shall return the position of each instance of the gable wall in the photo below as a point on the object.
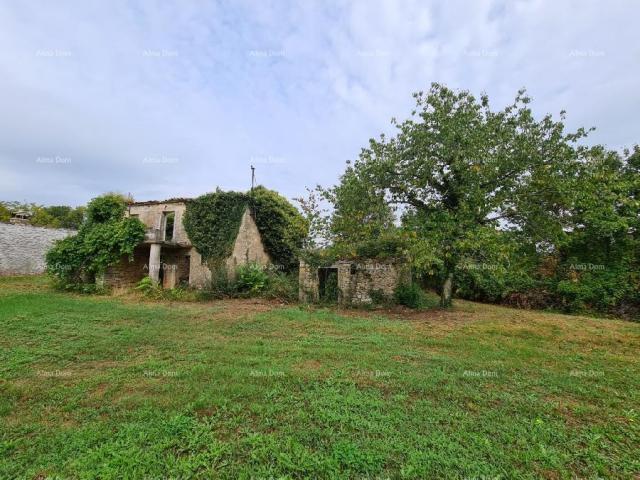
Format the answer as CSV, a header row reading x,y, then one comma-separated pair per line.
x,y
248,247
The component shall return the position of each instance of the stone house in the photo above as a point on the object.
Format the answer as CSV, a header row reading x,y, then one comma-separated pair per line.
x,y
167,255
352,281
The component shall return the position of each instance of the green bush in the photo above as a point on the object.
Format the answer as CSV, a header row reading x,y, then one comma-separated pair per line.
x,y
252,278
282,286
106,208
149,289
410,295
219,286
146,286
389,246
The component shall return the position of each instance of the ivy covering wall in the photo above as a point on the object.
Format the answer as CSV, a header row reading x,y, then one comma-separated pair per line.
x,y
212,222
102,240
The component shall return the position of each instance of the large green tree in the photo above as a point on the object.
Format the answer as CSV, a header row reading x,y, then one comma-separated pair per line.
x,y
458,172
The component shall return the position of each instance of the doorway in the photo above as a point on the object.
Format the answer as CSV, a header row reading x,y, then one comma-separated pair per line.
x,y
328,284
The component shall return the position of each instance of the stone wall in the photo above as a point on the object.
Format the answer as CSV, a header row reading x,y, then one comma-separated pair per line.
x,y
128,273
23,247
248,246
308,283
356,280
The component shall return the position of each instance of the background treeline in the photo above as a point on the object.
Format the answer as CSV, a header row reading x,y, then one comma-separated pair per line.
x,y
55,216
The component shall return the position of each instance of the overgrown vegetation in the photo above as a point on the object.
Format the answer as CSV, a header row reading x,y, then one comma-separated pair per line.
x,y
152,290
212,222
252,280
102,240
410,295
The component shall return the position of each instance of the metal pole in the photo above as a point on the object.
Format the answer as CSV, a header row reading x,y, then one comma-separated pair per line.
x,y
253,177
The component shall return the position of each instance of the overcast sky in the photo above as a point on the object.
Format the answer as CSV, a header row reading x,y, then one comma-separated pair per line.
x,y
164,99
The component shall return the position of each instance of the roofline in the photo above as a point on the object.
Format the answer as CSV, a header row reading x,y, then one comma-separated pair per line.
x,y
158,202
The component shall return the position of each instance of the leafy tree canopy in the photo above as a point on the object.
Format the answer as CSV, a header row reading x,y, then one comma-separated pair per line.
x,y
457,171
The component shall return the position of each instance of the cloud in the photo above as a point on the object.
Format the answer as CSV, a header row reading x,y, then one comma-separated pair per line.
x,y
163,99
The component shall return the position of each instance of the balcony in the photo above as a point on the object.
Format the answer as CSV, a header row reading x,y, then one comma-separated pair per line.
x,y
156,235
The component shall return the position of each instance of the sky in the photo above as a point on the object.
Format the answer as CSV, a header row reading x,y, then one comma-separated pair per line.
x,y
165,99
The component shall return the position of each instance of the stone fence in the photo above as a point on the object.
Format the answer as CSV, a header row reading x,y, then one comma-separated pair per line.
x,y
23,247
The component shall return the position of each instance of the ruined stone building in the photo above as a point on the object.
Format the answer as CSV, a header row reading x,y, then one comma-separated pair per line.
x,y
355,281
168,256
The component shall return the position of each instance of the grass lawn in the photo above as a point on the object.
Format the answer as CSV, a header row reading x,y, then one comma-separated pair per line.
x,y
106,387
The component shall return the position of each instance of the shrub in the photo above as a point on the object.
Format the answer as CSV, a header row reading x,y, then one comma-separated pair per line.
x,y
106,208
282,286
410,295
220,285
146,286
155,291
252,278
388,246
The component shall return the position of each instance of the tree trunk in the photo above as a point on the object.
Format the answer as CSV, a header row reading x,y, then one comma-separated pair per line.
x,y
447,288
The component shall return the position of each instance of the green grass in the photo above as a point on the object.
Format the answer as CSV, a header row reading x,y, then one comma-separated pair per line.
x,y
103,387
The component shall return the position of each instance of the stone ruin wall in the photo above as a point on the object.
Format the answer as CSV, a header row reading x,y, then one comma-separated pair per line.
x,y
23,247
356,287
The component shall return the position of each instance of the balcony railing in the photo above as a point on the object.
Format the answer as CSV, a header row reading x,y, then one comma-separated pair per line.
x,y
156,235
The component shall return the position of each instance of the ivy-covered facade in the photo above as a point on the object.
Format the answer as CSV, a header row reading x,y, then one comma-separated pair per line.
x,y
187,239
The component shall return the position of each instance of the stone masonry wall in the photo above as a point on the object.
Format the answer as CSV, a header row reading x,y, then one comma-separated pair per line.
x,y
128,273
356,286
308,288
356,280
23,248
248,247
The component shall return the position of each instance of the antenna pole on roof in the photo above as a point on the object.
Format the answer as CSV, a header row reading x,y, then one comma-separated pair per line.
x,y
253,177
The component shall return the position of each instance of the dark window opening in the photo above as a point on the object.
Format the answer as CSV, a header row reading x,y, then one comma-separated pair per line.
x,y
353,269
328,284
169,223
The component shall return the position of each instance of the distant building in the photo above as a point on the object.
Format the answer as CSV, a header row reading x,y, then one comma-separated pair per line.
x,y
20,217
